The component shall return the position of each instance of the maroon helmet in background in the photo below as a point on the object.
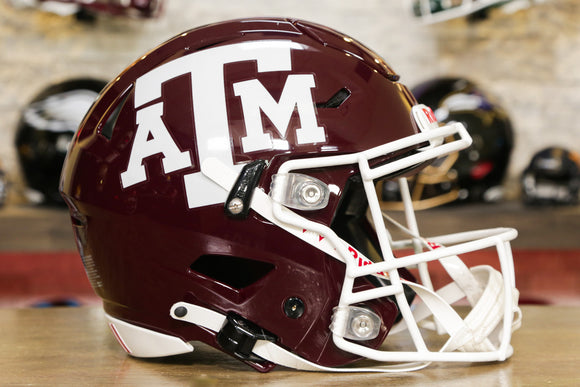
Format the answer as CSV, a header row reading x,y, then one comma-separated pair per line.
x,y
219,192
133,8
87,9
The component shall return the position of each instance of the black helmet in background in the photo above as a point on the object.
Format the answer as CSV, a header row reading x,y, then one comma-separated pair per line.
x,y
552,177
479,170
47,125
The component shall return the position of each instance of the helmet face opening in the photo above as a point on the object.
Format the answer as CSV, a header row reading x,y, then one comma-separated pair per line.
x,y
223,190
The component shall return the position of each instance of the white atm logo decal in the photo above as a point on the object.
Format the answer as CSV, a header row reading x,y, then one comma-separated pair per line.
x,y
210,114
296,93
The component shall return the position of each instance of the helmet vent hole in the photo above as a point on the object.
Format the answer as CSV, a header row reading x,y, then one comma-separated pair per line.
x,y
109,125
336,100
235,272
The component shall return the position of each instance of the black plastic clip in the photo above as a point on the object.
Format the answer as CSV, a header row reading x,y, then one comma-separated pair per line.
x,y
238,336
237,205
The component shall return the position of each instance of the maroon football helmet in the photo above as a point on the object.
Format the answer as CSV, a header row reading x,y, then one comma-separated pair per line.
x,y
222,190
85,8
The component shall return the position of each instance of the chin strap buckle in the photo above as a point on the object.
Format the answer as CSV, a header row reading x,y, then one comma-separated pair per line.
x,y
238,336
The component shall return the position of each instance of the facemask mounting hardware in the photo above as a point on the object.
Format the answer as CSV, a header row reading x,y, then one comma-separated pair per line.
x,y
294,307
355,323
299,191
238,336
237,205
310,193
180,311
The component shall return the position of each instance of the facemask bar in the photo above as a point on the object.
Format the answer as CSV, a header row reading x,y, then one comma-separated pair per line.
x,y
323,238
440,308
430,176
452,322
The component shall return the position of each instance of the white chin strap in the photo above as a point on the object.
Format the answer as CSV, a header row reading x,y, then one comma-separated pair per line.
x,y
471,334
481,329
268,350
483,287
475,333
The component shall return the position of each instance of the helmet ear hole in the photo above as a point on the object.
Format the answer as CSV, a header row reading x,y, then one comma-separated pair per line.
x,y
234,272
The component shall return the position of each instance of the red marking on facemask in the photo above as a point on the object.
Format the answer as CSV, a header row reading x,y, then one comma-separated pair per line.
x,y
434,245
363,262
429,114
353,252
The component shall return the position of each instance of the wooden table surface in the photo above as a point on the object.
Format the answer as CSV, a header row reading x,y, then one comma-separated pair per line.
x,y
72,346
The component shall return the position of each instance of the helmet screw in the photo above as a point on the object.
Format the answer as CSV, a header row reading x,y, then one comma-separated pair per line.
x,y
311,193
362,325
294,307
236,206
180,311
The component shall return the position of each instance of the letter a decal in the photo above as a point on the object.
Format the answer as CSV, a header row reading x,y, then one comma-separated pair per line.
x,y
152,138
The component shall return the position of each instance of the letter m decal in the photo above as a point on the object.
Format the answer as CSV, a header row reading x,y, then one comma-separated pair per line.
x,y
295,95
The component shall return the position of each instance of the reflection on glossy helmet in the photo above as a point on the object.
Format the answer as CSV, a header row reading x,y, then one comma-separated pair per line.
x,y
552,177
46,127
218,191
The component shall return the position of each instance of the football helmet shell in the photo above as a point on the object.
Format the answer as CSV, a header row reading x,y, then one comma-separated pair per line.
x,y
46,127
552,177
131,8
436,11
479,170
218,192
134,8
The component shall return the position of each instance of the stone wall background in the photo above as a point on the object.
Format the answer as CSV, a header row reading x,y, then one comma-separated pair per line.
x,y
529,60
